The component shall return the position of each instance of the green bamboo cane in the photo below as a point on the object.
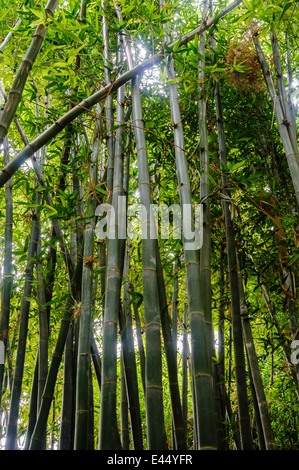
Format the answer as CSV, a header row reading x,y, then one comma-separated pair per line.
x,y
7,172
255,370
200,357
97,363
171,357
69,310
221,348
33,406
154,389
109,439
129,361
41,298
82,390
124,417
43,324
174,332
291,155
205,253
185,367
239,358
66,437
174,307
139,343
83,365
90,436
109,112
7,265
290,78
16,92
11,436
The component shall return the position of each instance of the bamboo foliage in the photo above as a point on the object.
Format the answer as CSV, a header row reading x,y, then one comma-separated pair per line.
x,y
100,95
15,94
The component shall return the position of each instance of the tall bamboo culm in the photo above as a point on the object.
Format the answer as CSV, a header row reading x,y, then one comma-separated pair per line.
x,y
239,356
7,266
115,260
203,384
153,381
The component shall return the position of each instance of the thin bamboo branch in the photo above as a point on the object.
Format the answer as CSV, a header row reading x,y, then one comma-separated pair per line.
x,y
9,36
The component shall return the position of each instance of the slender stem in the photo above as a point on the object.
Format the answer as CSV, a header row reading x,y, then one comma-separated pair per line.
x,y
11,436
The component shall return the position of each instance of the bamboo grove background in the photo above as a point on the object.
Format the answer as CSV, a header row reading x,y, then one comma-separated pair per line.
x,y
140,343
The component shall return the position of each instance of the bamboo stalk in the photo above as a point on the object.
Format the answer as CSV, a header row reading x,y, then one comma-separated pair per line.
x,y
129,360
153,369
7,265
85,105
83,364
171,357
239,358
109,440
185,367
255,370
9,36
205,253
139,343
66,437
16,92
203,385
73,294
33,407
11,436
124,418
109,112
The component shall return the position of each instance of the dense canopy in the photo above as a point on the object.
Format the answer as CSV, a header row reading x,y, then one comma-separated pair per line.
x,y
149,221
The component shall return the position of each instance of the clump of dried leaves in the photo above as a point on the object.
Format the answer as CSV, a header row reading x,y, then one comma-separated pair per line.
x,y
242,53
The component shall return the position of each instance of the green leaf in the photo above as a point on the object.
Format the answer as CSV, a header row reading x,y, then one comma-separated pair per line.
x,y
285,8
